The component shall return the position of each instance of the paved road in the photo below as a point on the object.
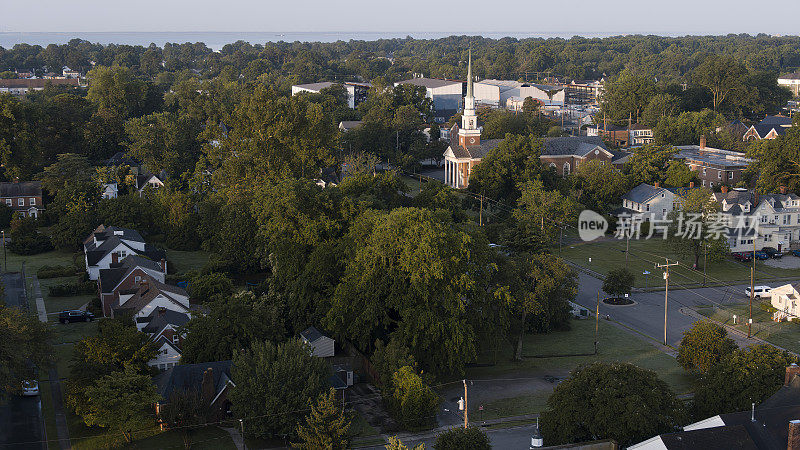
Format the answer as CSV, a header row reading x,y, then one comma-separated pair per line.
x,y
20,418
647,315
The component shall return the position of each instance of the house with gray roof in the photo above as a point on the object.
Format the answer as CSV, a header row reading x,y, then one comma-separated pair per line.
x,y
647,202
713,166
322,346
771,127
125,276
768,220
565,154
110,245
150,295
210,380
23,197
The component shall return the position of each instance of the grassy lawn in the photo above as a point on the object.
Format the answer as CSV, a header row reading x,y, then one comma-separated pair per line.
x,y
615,345
48,413
183,261
516,406
783,334
211,437
608,255
34,262
414,186
360,428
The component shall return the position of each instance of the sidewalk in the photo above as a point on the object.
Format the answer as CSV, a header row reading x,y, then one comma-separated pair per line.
x,y
55,382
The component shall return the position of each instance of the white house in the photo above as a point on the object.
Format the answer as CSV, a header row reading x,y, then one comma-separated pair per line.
x,y
110,245
648,202
167,357
786,299
322,346
150,296
110,190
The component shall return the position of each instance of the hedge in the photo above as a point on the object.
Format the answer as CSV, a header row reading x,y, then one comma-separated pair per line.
x,y
55,271
70,289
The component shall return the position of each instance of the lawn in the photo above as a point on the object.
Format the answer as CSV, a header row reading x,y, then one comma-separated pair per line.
x,y
783,334
48,413
610,254
185,261
615,344
34,262
211,437
516,406
359,428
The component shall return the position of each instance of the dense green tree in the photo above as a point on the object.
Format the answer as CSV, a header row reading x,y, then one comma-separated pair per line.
x,y
600,186
74,210
412,401
210,286
687,127
122,402
412,274
185,411
69,168
389,358
25,237
694,228
23,341
739,379
618,282
647,163
627,95
723,76
232,323
460,438
679,174
326,426
274,384
538,216
703,346
777,162
659,107
610,401
164,141
514,161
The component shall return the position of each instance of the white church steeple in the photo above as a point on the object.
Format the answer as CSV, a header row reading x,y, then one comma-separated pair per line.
x,y
469,135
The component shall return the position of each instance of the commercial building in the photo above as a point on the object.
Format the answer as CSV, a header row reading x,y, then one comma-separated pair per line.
x,y
356,92
445,95
497,93
713,166
791,81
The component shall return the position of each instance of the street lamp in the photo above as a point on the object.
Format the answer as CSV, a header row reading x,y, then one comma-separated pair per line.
x,y
645,273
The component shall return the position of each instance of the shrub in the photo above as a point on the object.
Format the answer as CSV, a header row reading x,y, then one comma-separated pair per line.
x,y
461,438
71,289
55,271
414,402
26,239
703,346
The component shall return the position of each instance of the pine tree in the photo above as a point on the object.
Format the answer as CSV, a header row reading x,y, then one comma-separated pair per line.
x,y
326,427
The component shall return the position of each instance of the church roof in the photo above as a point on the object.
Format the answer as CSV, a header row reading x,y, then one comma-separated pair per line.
x,y
477,151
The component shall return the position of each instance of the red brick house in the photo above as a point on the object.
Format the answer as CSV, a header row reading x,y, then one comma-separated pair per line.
x,y
125,276
566,154
25,198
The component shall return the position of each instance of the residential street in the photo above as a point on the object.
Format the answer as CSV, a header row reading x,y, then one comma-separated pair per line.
x,y
21,417
514,438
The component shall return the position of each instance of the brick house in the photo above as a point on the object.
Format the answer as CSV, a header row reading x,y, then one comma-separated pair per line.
x,y
211,380
771,127
150,295
565,154
713,166
25,198
125,276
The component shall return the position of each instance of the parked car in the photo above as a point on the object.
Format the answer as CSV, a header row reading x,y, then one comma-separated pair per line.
x,y
75,315
761,256
30,388
772,252
742,256
759,291
796,253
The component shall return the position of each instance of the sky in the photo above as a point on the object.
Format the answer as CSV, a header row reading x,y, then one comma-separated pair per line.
x,y
672,17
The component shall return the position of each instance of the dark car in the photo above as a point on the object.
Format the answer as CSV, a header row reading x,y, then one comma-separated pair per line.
x,y
742,256
796,253
761,255
772,252
75,316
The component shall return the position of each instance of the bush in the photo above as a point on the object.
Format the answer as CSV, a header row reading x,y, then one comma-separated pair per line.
x,y
413,401
206,287
461,438
26,239
703,346
618,282
71,289
55,271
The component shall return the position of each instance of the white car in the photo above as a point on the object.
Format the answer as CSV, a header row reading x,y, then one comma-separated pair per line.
x,y
30,388
759,291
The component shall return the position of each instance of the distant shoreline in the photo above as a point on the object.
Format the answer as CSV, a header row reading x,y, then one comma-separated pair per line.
x,y
217,39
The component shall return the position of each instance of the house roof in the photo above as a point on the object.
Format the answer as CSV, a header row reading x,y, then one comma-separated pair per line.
x,y
103,232
780,121
316,86
790,76
764,129
718,438
477,151
432,83
110,278
312,334
149,291
710,156
350,124
95,254
160,318
572,146
119,159
642,193
21,189
189,377
162,341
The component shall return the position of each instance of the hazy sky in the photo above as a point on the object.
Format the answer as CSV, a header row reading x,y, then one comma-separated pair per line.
x,y
609,16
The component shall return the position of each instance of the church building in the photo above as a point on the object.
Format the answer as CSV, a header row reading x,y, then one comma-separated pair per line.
x,y
467,150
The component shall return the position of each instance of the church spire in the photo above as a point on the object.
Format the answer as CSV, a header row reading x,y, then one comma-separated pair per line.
x,y
469,74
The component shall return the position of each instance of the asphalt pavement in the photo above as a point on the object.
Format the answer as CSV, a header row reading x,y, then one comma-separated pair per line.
x,y
20,417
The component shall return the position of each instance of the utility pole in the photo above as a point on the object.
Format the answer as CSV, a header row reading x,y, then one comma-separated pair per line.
x,y
5,260
241,424
705,261
480,215
752,287
627,247
466,419
666,267
596,322
560,237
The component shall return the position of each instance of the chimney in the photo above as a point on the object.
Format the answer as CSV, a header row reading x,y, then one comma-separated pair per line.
x,y
207,390
792,370
163,264
162,310
691,185
783,190
657,184
702,142
794,435
115,258
724,189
